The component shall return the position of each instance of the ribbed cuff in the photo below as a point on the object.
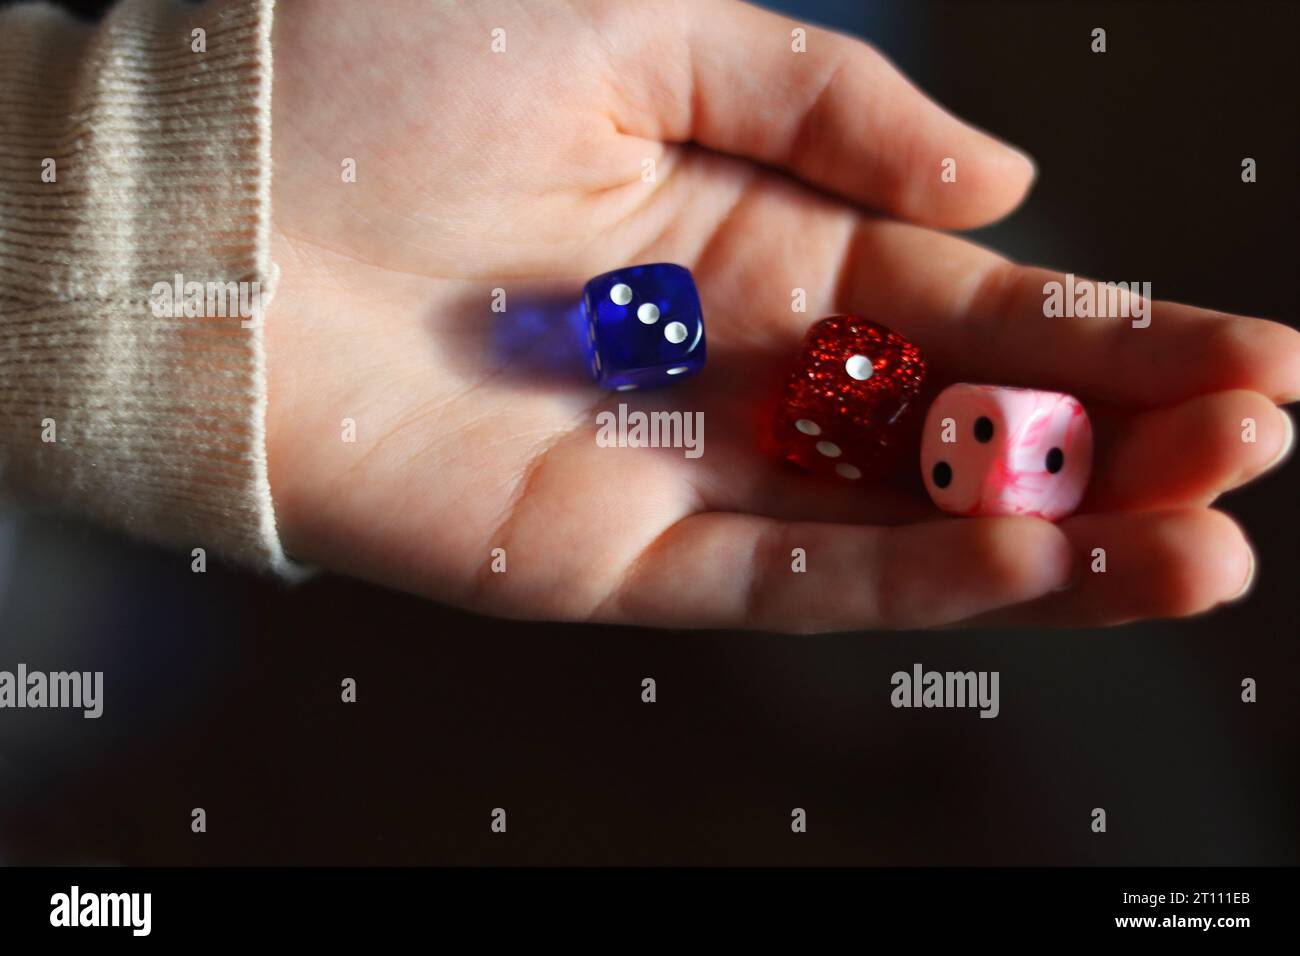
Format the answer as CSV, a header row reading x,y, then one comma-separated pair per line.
x,y
132,153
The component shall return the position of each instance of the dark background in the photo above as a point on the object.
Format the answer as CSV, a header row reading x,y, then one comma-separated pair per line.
x,y
222,690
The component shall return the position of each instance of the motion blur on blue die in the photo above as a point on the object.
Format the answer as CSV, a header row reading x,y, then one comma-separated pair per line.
x,y
644,326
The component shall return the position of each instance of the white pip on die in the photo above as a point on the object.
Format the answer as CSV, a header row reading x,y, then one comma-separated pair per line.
x,y
995,450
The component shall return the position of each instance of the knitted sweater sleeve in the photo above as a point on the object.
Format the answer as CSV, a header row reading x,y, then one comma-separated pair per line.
x,y
134,269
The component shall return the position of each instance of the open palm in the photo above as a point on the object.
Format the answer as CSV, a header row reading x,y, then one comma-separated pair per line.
x,y
523,169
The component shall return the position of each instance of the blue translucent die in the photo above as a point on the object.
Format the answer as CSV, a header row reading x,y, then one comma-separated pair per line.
x,y
644,326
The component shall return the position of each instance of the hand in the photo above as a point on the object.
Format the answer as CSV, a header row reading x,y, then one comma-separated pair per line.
x,y
478,170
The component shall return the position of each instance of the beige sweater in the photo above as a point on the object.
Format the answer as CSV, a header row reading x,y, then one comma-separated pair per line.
x,y
131,152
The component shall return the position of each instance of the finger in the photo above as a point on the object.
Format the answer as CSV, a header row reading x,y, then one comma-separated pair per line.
x,y
1189,454
981,318
975,315
837,114
1157,564
741,571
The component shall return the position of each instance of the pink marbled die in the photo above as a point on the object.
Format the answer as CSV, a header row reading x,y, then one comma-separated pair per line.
x,y
1003,444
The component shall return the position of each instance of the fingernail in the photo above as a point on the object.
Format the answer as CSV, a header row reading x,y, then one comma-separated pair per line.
x,y
1250,575
1072,576
1029,160
1285,450
1024,158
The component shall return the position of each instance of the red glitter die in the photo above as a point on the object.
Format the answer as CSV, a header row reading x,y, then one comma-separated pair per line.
x,y
853,386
